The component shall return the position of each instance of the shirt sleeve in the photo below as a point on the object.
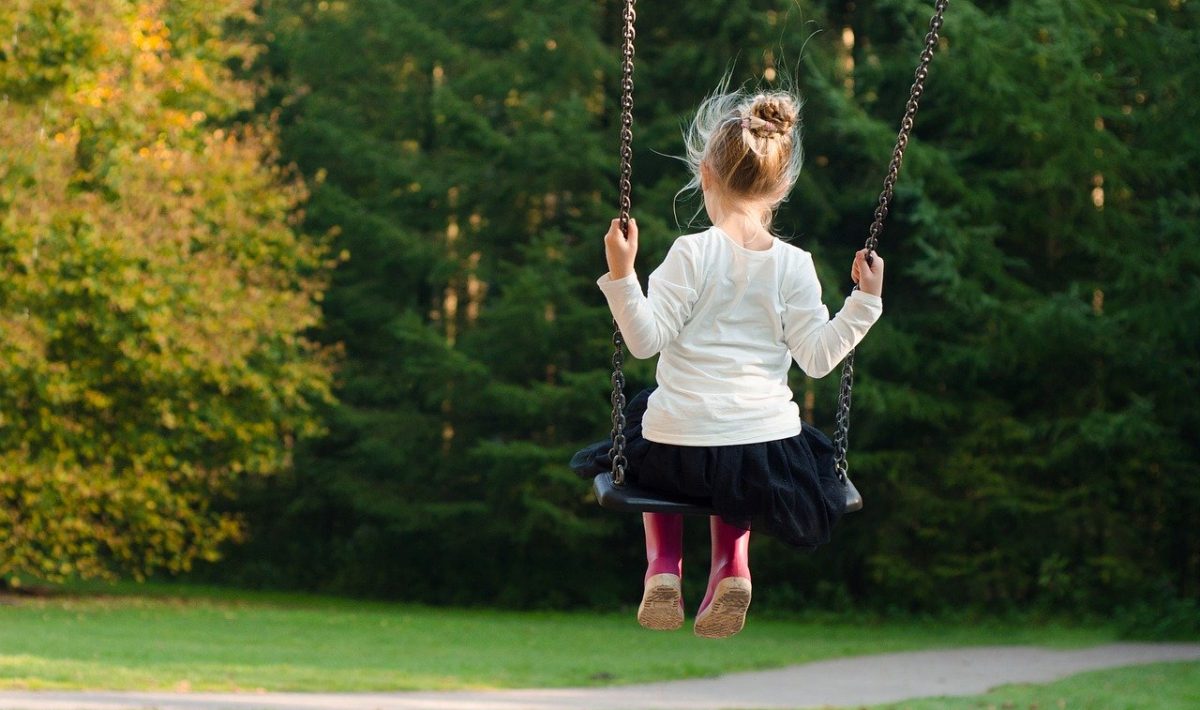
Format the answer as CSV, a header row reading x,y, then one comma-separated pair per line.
x,y
816,342
649,323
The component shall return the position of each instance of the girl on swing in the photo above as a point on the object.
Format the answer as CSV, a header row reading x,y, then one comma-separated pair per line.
x,y
727,312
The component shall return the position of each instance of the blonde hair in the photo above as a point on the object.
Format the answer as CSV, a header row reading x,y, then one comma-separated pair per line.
x,y
750,142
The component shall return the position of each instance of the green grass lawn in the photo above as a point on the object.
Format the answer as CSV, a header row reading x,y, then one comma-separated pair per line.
x,y
1160,686
173,636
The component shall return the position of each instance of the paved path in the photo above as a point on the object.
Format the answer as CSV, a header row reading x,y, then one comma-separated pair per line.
x,y
843,682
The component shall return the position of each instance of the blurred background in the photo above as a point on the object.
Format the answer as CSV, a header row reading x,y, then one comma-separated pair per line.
x,y
300,295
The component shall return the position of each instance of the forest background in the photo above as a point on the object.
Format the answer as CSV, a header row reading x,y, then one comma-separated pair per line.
x,y
300,294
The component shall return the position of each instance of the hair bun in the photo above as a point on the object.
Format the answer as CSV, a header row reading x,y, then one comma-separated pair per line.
x,y
750,143
771,115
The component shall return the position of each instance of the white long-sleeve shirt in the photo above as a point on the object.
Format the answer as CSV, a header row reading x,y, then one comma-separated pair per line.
x,y
729,321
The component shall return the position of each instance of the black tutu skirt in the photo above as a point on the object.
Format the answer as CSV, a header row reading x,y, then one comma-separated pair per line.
x,y
787,488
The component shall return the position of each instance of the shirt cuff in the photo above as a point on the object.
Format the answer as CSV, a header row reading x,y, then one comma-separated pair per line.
x,y
606,282
867,297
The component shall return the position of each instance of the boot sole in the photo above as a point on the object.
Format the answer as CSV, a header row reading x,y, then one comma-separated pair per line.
x,y
660,609
726,614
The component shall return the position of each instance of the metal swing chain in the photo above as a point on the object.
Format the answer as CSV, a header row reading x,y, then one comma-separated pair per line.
x,y
625,187
841,437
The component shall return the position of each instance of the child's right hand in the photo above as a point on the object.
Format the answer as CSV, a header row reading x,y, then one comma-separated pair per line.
x,y
868,278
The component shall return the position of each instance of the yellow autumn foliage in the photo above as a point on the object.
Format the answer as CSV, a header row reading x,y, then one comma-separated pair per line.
x,y
154,290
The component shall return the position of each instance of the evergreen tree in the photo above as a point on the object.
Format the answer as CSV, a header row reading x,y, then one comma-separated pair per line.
x,y
460,153
1016,437
1022,425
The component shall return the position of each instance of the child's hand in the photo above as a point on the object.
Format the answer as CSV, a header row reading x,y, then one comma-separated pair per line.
x,y
620,251
868,278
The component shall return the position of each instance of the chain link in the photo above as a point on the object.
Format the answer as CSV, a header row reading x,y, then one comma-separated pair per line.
x,y
841,437
625,188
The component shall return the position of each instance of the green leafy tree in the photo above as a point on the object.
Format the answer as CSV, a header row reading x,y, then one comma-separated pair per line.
x,y
154,293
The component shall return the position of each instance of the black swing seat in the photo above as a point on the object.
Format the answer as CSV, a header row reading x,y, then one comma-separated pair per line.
x,y
631,498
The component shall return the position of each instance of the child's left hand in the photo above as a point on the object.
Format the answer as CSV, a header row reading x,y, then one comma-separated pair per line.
x,y
620,251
